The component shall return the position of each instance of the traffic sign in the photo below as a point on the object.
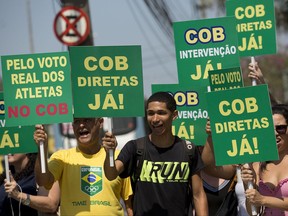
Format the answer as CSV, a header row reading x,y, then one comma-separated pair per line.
x,y
71,26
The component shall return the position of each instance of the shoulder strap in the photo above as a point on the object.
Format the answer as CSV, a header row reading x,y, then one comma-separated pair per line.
x,y
140,143
189,152
188,148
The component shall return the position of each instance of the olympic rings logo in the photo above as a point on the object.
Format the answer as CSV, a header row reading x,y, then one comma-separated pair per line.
x,y
92,189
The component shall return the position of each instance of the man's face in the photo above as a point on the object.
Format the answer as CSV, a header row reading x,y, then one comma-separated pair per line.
x,y
160,118
87,130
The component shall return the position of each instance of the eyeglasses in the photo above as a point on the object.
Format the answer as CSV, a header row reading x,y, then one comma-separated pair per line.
x,y
281,129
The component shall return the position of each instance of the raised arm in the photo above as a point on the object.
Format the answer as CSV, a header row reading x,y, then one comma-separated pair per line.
x,y
227,171
256,74
43,179
111,172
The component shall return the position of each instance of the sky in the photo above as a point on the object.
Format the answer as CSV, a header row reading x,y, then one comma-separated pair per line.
x,y
114,22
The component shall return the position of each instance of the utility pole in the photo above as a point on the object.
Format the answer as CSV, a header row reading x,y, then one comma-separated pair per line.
x,y
31,41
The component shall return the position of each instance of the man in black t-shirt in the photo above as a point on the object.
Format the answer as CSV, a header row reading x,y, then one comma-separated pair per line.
x,y
167,172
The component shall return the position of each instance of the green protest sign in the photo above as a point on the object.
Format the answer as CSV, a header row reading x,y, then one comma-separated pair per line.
x,y
192,114
242,125
37,88
224,79
107,81
255,24
15,139
205,45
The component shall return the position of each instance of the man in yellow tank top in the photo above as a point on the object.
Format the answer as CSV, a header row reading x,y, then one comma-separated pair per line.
x,y
84,187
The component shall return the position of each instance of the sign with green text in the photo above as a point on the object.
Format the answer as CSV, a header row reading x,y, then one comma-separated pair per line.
x,y
37,88
15,140
255,24
192,114
242,125
107,81
224,79
205,45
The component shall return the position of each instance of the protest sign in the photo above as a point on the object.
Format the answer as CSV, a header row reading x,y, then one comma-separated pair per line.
x,y
242,125
224,79
37,88
107,81
15,139
192,114
205,45
255,24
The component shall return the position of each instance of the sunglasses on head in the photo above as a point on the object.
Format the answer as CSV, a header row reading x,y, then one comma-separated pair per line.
x,y
281,129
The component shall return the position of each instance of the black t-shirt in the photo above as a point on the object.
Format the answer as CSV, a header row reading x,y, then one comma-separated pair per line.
x,y
28,185
163,186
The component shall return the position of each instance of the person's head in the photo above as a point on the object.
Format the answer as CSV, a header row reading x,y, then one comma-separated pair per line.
x,y
164,97
161,111
18,160
22,165
280,119
87,131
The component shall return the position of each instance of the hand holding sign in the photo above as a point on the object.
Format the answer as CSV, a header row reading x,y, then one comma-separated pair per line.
x,y
111,151
248,178
253,65
7,168
40,138
255,73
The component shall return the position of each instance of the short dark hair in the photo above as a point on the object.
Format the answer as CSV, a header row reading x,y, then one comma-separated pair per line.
x,y
164,97
281,109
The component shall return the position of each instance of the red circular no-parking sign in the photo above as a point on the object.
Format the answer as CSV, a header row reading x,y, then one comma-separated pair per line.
x,y
71,26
